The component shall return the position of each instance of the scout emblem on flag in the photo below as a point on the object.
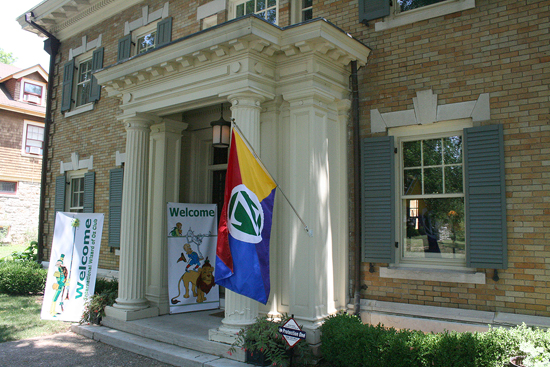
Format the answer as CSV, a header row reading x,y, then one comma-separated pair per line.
x,y
242,254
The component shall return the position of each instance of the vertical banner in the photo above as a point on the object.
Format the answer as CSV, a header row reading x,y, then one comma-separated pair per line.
x,y
73,265
192,233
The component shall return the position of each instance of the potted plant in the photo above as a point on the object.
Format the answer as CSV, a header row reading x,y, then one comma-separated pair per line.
x,y
94,309
264,346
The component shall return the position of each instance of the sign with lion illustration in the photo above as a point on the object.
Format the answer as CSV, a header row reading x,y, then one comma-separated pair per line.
x,y
192,233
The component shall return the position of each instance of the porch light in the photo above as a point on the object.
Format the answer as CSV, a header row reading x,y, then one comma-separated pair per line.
x,y
220,131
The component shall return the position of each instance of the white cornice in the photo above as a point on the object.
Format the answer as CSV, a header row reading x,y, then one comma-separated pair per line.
x,y
66,18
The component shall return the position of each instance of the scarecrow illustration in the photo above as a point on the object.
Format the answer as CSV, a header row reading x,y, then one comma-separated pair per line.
x,y
197,240
176,231
192,256
62,281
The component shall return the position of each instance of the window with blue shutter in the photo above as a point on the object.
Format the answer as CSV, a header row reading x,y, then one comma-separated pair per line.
x,y
164,32
485,197
97,64
124,47
115,205
89,192
378,199
60,187
373,9
67,86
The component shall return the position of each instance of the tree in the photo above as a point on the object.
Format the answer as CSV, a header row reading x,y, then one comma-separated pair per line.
x,y
7,57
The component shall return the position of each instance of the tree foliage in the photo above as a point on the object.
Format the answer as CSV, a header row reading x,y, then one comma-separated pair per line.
x,y
7,57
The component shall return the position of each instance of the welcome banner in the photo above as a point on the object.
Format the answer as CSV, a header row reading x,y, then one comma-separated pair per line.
x,y
73,265
192,234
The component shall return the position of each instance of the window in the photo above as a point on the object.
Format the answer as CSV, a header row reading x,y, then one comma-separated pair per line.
x,y
432,199
266,9
83,84
75,192
405,5
434,196
33,138
146,42
8,187
307,10
402,12
80,88
32,93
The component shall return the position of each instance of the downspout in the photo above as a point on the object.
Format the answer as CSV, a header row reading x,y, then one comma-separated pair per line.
x,y
51,46
356,186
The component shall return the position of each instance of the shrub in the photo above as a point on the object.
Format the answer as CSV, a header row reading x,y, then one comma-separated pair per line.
x,y
103,285
28,254
347,342
21,277
105,294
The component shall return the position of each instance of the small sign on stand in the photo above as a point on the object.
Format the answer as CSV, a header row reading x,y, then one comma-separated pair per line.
x,y
292,334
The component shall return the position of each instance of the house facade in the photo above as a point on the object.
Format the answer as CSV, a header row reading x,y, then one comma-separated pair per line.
x,y
22,111
453,109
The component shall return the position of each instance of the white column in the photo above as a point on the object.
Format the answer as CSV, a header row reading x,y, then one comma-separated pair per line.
x,y
241,311
131,303
164,168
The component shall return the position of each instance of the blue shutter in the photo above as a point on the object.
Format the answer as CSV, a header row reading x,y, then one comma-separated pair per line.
x,y
115,205
89,192
373,9
67,86
124,47
378,199
60,186
164,32
97,63
485,197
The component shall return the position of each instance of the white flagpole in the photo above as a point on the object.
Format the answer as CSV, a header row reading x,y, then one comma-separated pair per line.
x,y
306,228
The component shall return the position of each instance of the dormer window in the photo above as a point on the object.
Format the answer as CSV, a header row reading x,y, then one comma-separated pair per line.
x,y
32,93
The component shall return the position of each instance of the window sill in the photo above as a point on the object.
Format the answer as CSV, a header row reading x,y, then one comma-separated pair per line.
x,y
424,13
435,275
80,109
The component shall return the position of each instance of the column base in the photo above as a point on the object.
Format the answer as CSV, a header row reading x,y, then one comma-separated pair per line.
x,y
129,315
222,335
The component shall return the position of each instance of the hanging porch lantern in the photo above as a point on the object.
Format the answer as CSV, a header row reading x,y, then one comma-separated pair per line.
x,y
221,130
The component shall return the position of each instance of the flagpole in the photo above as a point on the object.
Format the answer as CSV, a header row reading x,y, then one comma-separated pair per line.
x,y
306,228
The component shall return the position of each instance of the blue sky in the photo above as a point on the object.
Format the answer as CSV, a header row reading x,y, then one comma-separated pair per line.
x,y
26,46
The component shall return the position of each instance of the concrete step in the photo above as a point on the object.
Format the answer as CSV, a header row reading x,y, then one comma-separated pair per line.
x,y
161,351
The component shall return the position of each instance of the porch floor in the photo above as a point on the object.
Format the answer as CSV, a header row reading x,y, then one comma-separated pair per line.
x,y
179,339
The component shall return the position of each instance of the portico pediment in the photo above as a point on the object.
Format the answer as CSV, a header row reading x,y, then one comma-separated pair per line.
x,y
244,54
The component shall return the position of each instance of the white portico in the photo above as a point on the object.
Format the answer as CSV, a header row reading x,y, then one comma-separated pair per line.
x,y
289,93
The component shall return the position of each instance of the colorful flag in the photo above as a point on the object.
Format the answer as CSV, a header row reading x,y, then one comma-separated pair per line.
x,y
242,254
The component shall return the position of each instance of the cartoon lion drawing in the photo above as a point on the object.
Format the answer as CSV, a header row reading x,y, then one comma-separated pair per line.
x,y
201,282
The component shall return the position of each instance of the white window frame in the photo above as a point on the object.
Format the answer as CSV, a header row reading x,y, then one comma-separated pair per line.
x,y
397,19
408,133
85,59
10,194
42,97
141,32
24,141
71,176
233,9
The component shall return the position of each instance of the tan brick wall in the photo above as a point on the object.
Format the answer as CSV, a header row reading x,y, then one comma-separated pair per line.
x,y
501,48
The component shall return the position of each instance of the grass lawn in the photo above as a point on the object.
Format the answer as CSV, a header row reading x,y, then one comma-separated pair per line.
x,y
7,250
20,318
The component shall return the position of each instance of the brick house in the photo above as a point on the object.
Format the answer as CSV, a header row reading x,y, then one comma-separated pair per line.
x,y
22,111
453,108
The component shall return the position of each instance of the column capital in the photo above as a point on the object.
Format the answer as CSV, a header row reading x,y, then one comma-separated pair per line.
x,y
246,99
169,126
309,97
139,120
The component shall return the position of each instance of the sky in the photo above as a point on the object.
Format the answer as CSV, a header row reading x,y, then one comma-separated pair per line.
x,y
27,47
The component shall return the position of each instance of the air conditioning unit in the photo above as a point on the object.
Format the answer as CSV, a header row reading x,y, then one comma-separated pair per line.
x,y
32,98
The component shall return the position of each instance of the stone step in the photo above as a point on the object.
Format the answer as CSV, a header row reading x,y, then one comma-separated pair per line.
x,y
159,350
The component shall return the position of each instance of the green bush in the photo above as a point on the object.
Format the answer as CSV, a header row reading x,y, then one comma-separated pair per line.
x,y
105,294
28,254
103,285
21,277
348,342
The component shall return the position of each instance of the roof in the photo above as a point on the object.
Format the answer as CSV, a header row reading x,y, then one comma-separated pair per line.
x,y
7,102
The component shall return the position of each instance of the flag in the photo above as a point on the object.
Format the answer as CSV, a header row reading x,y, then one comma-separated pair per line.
x,y
242,253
